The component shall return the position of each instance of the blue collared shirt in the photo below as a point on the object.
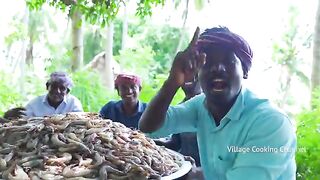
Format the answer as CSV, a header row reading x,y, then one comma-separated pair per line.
x,y
39,106
113,110
253,141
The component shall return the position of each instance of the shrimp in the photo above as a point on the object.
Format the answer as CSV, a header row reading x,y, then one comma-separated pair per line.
x,y
98,159
73,136
29,158
32,144
76,171
72,147
83,162
106,136
63,159
110,169
54,169
57,142
81,178
9,156
49,176
81,145
96,130
33,163
18,174
3,164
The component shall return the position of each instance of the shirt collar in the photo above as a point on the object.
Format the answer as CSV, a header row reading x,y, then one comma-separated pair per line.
x,y
45,99
140,106
238,107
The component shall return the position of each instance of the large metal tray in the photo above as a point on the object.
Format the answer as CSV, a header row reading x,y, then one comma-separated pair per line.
x,y
184,168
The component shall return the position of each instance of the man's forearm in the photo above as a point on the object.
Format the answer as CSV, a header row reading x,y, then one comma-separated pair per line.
x,y
154,115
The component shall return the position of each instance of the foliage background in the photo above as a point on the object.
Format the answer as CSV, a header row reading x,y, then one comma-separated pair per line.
x,y
308,135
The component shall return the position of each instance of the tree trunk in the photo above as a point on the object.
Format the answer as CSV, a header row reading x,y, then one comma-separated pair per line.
x,y
109,80
124,29
315,76
29,52
185,17
77,41
22,63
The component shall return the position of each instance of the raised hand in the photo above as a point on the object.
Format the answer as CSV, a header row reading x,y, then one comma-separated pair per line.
x,y
187,63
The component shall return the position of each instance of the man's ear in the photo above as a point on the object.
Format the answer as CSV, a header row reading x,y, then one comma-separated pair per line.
x,y
47,85
118,92
68,90
245,75
140,88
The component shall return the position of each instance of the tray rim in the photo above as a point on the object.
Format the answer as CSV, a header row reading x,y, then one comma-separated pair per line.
x,y
184,169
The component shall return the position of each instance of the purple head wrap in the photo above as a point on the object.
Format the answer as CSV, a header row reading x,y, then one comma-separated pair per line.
x,y
60,77
222,36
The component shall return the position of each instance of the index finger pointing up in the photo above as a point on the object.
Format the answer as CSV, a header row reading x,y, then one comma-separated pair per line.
x,y
195,38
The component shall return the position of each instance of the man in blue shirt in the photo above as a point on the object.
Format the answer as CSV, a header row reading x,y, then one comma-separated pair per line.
x,y
129,109
240,136
56,101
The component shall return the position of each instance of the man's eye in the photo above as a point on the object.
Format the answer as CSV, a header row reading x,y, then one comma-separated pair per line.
x,y
63,88
134,87
232,61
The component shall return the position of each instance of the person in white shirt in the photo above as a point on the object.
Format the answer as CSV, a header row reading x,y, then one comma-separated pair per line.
x,y
56,101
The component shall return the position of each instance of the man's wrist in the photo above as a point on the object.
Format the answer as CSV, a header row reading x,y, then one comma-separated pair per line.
x,y
172,83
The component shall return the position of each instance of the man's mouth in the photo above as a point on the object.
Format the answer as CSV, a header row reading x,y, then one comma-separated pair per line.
x,y
218,85
128,95
57,96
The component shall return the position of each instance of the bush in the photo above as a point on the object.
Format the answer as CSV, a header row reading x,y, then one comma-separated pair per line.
x,y
151,88
9,94
90,91
308,134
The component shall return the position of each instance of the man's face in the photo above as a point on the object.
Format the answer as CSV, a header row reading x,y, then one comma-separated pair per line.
x,y
57,91
129,92
221,76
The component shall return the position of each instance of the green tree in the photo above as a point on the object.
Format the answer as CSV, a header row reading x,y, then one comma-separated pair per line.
x,y
97,11
308,135
286,53
198,4
93,43
164,40
88,88
39,25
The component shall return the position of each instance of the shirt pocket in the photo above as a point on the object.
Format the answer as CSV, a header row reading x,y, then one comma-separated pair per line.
x,y
223,165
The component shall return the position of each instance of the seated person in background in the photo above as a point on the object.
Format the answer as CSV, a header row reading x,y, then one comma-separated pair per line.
x,y
56,101
129,109
185,142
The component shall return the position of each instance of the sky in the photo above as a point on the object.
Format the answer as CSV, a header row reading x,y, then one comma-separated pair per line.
x,y
259,22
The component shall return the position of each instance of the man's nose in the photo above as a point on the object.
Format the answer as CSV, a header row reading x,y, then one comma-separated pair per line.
x,y
218,67
130,90
59,90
